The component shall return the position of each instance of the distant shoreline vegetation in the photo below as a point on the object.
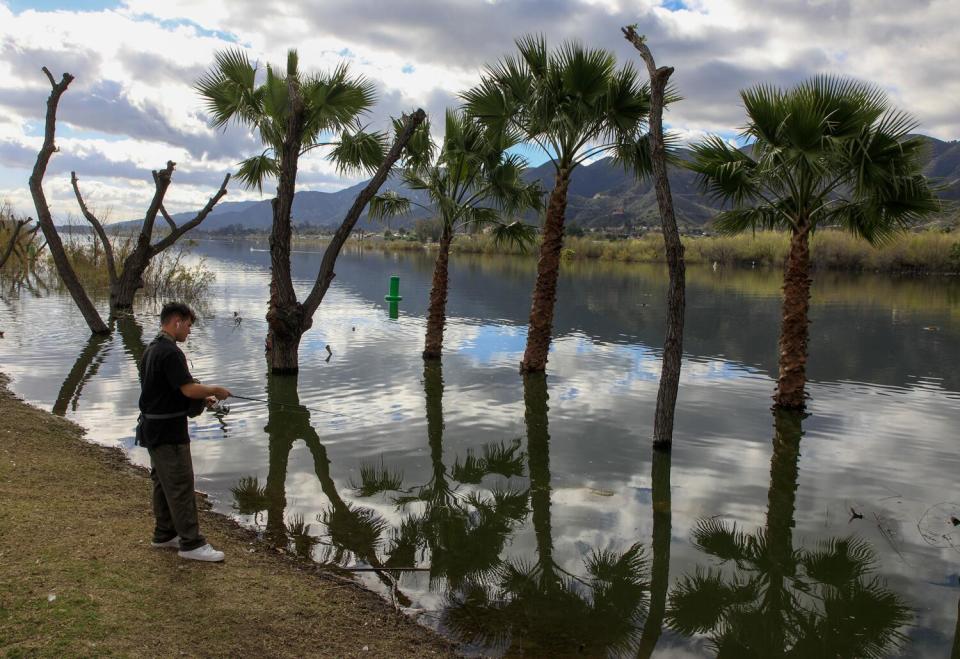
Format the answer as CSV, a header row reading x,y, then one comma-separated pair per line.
x,y
923,252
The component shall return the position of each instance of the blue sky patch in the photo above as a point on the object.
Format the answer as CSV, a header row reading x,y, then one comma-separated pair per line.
x,y
408,68
51,5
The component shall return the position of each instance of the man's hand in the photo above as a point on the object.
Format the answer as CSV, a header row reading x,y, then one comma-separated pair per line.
x,y
221,393
210,401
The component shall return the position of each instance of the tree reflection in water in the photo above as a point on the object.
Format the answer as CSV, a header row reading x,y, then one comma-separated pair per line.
x,y
92,356
462,534
354,532
774,600
537,608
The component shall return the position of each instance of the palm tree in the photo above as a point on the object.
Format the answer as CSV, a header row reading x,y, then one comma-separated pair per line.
x,y
293,114
830,151
574,105
781,601
472,182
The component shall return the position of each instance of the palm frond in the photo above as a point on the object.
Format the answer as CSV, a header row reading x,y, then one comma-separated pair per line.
x,y
389,204
359,152
515,234
376,478
255,170
249,498
722,540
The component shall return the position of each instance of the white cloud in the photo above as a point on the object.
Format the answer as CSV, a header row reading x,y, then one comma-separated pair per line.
x,y
133,103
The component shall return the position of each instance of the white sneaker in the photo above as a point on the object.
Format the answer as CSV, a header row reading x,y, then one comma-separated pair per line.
x,y
204,553
172,543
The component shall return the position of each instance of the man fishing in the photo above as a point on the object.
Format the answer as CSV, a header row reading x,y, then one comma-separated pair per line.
x,y
168,395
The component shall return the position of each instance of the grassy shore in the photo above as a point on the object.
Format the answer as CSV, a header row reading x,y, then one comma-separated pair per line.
x,y
931,251
78,576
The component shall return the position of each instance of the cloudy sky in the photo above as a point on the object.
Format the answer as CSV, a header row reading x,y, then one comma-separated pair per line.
x,y
132,106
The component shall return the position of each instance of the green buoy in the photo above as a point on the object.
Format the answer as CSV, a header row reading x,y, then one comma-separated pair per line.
x,y
394,295
394,310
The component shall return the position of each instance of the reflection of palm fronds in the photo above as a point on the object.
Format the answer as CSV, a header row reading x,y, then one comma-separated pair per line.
x,y
698,601
779,600
471,470
375,479
839,561
404,543
503,507
728,543
503,459
248,497
299,533
354,527
618,577
499,458
533,608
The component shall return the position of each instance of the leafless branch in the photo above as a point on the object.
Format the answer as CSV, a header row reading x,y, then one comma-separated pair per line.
x,y
326,274
175,234
166,216
162,181
97,227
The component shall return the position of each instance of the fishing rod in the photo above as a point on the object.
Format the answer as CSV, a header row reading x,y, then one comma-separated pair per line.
x,y
295,406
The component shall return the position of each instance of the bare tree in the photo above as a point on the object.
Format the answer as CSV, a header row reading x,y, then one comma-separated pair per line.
x,y
125,283
65,270
676,292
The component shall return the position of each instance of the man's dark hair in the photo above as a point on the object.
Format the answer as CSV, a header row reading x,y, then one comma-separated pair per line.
x,y
171,309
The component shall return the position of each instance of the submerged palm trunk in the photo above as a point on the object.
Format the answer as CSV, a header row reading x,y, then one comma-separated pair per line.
x,y
660,568
794,330
548,271
285,317
781,505
538,453
437,315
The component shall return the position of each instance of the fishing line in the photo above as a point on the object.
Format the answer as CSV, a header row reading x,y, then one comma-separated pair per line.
x,y
296,406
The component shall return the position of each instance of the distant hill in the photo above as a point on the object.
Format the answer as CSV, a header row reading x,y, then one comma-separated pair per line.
x,y
600,195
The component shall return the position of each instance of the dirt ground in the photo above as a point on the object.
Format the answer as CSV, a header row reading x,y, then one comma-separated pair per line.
x,y
78,576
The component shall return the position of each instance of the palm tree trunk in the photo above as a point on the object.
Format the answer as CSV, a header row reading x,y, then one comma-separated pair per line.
x,y
538,454
794,330
433,390
548,271
660,569
279,449
285,318
781,507
437,315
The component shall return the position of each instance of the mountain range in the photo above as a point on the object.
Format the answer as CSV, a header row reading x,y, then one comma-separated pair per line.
x,y
601,194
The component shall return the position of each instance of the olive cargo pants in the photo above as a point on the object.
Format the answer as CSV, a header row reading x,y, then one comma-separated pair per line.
x,y
174,501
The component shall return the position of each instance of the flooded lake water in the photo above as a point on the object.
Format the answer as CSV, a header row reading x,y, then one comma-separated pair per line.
x,y
533,510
